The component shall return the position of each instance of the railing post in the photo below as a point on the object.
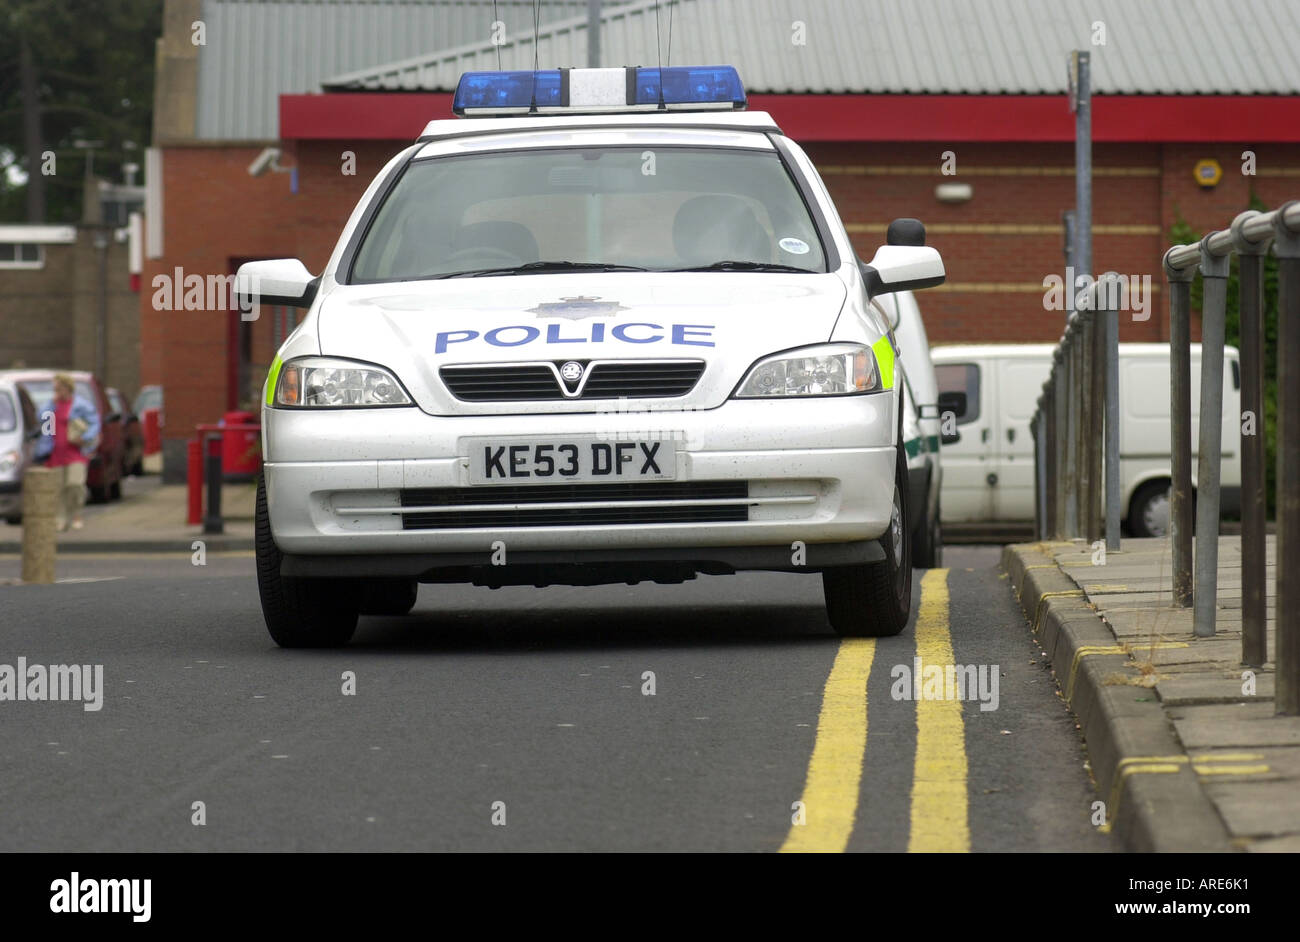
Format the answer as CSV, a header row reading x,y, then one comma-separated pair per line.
x,y
1214,280
1060,434
1254,620
1040,481
1180,428
1087,419
1286,245
1111,401
1070,479
1050,469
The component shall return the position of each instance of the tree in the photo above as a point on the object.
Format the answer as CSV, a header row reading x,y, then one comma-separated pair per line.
x,y
71,70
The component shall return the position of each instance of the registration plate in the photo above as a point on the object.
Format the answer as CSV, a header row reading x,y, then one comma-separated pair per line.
x,y
570,461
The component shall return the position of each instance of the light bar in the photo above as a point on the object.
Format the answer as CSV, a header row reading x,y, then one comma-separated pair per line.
x,y
599,91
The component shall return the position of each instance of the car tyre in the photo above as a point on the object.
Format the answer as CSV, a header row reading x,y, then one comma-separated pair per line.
x,y
387,596
299,613
1149,510
874,600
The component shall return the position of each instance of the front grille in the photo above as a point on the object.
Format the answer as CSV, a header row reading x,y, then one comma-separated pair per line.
x,y
501,383
471,507
605,379
635,381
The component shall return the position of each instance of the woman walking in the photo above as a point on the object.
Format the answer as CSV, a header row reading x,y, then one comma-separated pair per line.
x,y
69,444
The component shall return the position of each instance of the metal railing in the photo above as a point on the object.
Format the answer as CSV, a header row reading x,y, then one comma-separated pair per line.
x,y
1250,235
1076,424
1076,431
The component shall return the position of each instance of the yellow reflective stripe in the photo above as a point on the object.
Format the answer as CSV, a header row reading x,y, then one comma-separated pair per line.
x,y
884,351
271,379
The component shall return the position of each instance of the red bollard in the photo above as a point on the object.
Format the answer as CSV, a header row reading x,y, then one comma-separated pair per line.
x,y
152,431
194,482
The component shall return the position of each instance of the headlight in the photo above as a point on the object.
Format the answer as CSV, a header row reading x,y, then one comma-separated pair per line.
x,y
8,462
826,370
325,383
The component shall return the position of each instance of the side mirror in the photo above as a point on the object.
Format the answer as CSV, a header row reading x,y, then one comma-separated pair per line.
x,y
954,402
114,417
902,268
949,438
283,281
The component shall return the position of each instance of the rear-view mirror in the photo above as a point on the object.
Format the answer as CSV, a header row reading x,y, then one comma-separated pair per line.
x,y
954,402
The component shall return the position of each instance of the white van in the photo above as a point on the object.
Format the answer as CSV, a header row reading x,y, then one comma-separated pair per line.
x,y
989,463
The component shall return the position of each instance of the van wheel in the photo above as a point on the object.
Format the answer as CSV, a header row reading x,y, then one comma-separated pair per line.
x,y
928,547
299,613
387,596
1148,514
874,600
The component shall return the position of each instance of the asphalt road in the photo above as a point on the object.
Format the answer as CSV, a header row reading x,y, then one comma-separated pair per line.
x,y
534,699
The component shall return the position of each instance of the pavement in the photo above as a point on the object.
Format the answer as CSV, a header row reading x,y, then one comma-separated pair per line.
x,y
1183,738
150,518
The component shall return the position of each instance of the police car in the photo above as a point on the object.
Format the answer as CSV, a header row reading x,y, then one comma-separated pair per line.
x,y
605,326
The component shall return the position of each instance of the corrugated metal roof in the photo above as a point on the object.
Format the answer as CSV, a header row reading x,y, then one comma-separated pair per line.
x,y
1175,47
256,50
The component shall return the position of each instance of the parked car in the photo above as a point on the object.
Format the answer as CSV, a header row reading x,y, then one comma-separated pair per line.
x,y
104,476
989,475
921,421
19,430
149,397
132,434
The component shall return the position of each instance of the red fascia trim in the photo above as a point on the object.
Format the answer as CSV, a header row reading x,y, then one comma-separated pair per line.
x,y
1143,118
374,116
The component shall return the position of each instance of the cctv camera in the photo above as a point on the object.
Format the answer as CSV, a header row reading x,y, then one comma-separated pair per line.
x,y
268,159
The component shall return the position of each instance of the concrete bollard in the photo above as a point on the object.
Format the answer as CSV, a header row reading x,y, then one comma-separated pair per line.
x,y
42,490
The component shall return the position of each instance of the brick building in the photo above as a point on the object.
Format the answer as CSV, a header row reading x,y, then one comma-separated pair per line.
x,y
878,93
66,301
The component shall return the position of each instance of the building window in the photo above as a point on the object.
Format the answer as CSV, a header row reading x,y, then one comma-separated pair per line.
x,y
21,255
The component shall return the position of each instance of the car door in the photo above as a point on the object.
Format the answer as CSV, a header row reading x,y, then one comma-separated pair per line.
x,y
967,459
1011,477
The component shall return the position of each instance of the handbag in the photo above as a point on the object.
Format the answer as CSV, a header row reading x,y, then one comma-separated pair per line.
x,y
77,430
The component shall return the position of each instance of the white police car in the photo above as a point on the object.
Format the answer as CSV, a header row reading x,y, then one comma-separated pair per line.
x,y
608,327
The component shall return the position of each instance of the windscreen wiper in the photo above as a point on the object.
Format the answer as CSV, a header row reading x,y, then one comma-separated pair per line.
x,y
543,267
733,265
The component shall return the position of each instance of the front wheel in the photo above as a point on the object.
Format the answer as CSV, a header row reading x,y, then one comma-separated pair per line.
x,y
299,613
874,600
1149,512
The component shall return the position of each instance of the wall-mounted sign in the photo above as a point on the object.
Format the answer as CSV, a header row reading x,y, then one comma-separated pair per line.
x,y
1208,172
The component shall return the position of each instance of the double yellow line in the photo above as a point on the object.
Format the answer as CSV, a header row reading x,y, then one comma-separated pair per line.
x,y
939,818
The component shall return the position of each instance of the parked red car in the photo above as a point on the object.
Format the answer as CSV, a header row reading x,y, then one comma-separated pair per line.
x,y
132,434
104,476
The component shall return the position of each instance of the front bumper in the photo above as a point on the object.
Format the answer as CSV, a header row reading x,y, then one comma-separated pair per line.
x,y
813,471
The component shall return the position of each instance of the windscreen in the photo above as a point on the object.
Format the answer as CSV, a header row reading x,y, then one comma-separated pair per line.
x,y
42,393
8,412
661,209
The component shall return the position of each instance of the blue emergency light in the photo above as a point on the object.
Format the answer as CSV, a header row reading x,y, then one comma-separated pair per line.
x,y
599,91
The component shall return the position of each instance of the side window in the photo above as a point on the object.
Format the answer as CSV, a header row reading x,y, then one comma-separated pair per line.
x,y
961,377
